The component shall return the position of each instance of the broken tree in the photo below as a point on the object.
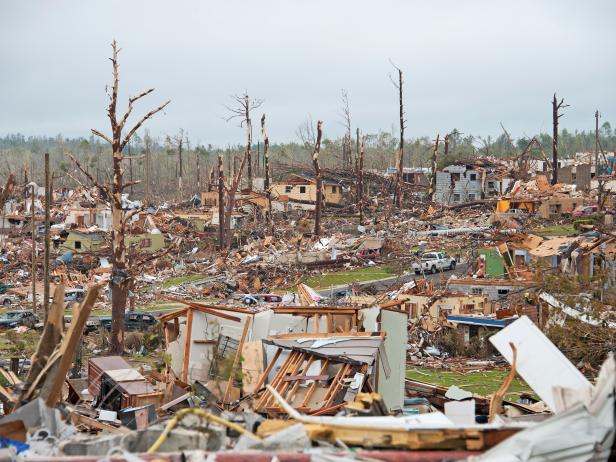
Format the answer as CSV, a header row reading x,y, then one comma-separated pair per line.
x,y
433,169
318,179
119,281
242,111
400,153
268,192
556,106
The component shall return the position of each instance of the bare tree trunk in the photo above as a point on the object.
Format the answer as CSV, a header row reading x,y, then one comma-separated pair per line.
x,y
48,194
556,106
33,250
433,171
221,202
360,182
319,181
119,281
148,145
258,160
229,155
231,199
248,123
554,141
268,192
600,183
597,143
181,166
400,157
357,155
245,106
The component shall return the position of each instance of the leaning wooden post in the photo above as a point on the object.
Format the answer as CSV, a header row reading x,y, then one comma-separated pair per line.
x,y
50,338
187,344
319,181
52,388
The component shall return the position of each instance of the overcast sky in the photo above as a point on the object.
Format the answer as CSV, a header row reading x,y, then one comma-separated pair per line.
x,y
467,64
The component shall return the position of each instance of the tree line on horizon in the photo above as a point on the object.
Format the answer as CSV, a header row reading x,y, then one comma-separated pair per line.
x,y
23,155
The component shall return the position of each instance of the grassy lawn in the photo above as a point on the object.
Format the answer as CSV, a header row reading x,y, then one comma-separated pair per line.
x,y
181,279
482,383
338,278
556,230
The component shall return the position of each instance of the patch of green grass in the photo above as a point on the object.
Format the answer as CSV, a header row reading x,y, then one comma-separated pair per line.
x,y
181,279
482,382
338,278
556,230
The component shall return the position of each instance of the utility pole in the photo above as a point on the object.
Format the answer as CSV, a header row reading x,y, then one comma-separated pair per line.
x,y
556,106
48,195
33,250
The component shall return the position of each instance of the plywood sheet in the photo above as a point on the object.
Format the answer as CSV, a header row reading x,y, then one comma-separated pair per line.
x,y
252,365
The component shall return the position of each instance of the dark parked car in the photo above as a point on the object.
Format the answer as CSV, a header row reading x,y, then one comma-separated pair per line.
x,y
5,287
18,318
132,321
253,299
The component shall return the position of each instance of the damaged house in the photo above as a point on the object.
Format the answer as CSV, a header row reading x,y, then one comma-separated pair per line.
x,y
303,189
299,350
460,183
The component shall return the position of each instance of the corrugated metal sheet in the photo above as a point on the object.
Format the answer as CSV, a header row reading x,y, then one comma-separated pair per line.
x,y
353,350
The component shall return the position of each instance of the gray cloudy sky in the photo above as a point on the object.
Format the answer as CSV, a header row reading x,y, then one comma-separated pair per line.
x,y
468,64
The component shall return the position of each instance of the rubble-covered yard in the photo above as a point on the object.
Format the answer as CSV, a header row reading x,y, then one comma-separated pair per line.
x,y
421,332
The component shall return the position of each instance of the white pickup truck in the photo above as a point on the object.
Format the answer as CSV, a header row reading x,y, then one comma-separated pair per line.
x,y
434,261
